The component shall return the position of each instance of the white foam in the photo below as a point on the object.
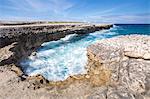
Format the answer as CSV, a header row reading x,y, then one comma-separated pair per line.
x,y
57,60
68,37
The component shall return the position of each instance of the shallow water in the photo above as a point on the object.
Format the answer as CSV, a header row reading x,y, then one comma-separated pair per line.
x,y
56,60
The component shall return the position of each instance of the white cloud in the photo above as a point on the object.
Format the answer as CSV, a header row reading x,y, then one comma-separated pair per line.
x,y
120,18
61,5
53,6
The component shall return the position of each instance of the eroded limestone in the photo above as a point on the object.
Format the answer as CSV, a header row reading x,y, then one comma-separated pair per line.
x,y
117,69
127,57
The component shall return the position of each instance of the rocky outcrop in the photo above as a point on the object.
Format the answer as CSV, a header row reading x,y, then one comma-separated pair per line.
x,y
127,60
112,74
28,38
11,23
45,32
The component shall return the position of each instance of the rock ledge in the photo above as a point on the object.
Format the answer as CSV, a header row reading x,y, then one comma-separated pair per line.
x,y
128,59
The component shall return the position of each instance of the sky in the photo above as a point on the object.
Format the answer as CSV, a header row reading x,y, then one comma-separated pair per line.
x,y
101,11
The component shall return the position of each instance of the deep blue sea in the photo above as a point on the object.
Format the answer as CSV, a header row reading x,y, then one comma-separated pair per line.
x,y
56,60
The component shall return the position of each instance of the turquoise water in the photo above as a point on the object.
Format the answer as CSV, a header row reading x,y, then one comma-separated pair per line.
x,y
56,60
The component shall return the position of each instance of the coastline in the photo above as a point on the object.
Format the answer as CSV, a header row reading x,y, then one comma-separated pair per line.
x,y
18,42
100,81
29,37
102,68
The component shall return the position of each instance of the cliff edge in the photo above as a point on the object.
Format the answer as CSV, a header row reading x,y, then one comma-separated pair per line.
x,y
127,58
118,68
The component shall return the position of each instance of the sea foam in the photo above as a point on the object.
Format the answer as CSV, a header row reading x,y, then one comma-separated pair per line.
x,y
57,60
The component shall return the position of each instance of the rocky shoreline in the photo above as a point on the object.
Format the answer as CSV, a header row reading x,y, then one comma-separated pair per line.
x,y
128,60
117,68
25,39
28,38
44,32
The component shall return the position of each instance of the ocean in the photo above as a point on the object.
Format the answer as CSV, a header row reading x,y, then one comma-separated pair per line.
x,y
57,60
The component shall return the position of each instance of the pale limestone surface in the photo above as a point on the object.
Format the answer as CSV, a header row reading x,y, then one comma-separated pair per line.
x,y
5,52
112,74
128,59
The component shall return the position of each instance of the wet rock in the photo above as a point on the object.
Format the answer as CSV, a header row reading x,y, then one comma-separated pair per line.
x,y
30,37
118,68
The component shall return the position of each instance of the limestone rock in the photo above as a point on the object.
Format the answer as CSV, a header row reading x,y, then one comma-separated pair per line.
x,y
5,52
37,81
118,68
16,69
128,59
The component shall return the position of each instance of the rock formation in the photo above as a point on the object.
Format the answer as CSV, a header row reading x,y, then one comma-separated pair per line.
x,y
28,38
118,68
127,58
44,32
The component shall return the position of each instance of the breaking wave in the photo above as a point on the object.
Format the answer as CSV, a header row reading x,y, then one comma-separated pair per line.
x,y
57,60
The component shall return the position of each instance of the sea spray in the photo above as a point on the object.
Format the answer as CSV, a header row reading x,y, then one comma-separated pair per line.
x,y
57,60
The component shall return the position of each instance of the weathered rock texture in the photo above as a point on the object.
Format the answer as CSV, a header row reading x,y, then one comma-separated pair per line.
x,y
28,38
11,23
118,68
127,58
45,32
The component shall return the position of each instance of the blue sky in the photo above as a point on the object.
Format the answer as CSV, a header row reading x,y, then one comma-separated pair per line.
x,y
102,11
